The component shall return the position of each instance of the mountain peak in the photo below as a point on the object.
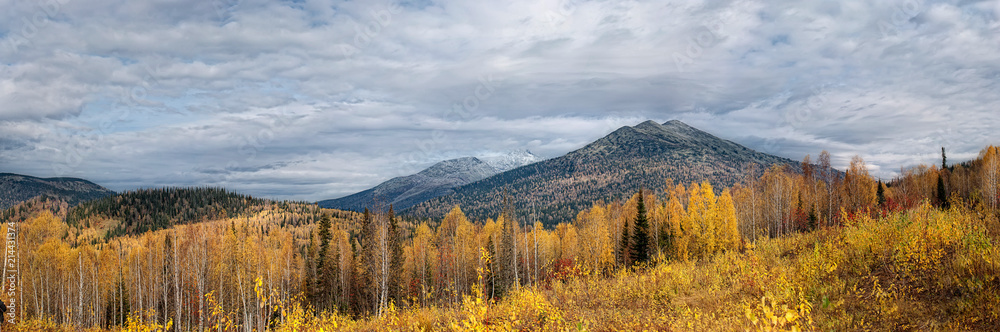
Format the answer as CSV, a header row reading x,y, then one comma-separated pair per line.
x,y
669,128
510,160
649,127
615,166
648,124
439,179
472,165
676,123
652,137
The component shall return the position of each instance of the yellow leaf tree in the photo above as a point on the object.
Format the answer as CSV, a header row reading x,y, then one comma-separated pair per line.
x,y
680,227
728,234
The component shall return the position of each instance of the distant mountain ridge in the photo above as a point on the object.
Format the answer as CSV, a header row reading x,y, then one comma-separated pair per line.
x,y
438,180
617,165
17,188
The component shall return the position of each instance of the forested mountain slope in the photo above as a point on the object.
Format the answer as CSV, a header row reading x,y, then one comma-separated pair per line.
x,y
438,180
139,211
646,155
16,188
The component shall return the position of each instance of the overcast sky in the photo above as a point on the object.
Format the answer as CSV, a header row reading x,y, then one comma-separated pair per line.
x,y
310,100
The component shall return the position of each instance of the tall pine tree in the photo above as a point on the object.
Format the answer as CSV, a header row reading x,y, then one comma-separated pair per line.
x,y
640,236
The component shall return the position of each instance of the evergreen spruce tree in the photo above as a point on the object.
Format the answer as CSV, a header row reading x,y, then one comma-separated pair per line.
x,y
942,192
623,248
396,263
813,219
491,279
942,196
322,283
640,237
363,251
324,238
944,160
880,194
311,281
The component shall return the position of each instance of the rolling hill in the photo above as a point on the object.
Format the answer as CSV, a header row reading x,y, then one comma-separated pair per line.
x,y
645,155
16,188
437,180
143,210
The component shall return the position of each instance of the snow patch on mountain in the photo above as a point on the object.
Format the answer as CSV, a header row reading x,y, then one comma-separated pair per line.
x,y
438,180
505,161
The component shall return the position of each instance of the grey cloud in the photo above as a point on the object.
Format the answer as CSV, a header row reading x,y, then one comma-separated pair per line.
x,y
317,99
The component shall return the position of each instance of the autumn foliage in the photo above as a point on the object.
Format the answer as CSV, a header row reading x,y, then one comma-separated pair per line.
x,y
787,249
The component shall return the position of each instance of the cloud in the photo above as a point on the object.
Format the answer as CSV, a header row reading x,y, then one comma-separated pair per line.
x,y
318,99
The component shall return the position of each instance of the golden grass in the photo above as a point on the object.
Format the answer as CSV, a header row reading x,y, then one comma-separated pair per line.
x,y
918,270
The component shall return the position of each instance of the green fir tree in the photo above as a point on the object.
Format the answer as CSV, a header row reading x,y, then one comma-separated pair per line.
x,y
640,236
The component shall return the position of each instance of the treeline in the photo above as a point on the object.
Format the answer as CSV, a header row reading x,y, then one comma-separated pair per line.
x,y
780,201
26,209
224,274
361,273
442,264
974,183
239,272
152,209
